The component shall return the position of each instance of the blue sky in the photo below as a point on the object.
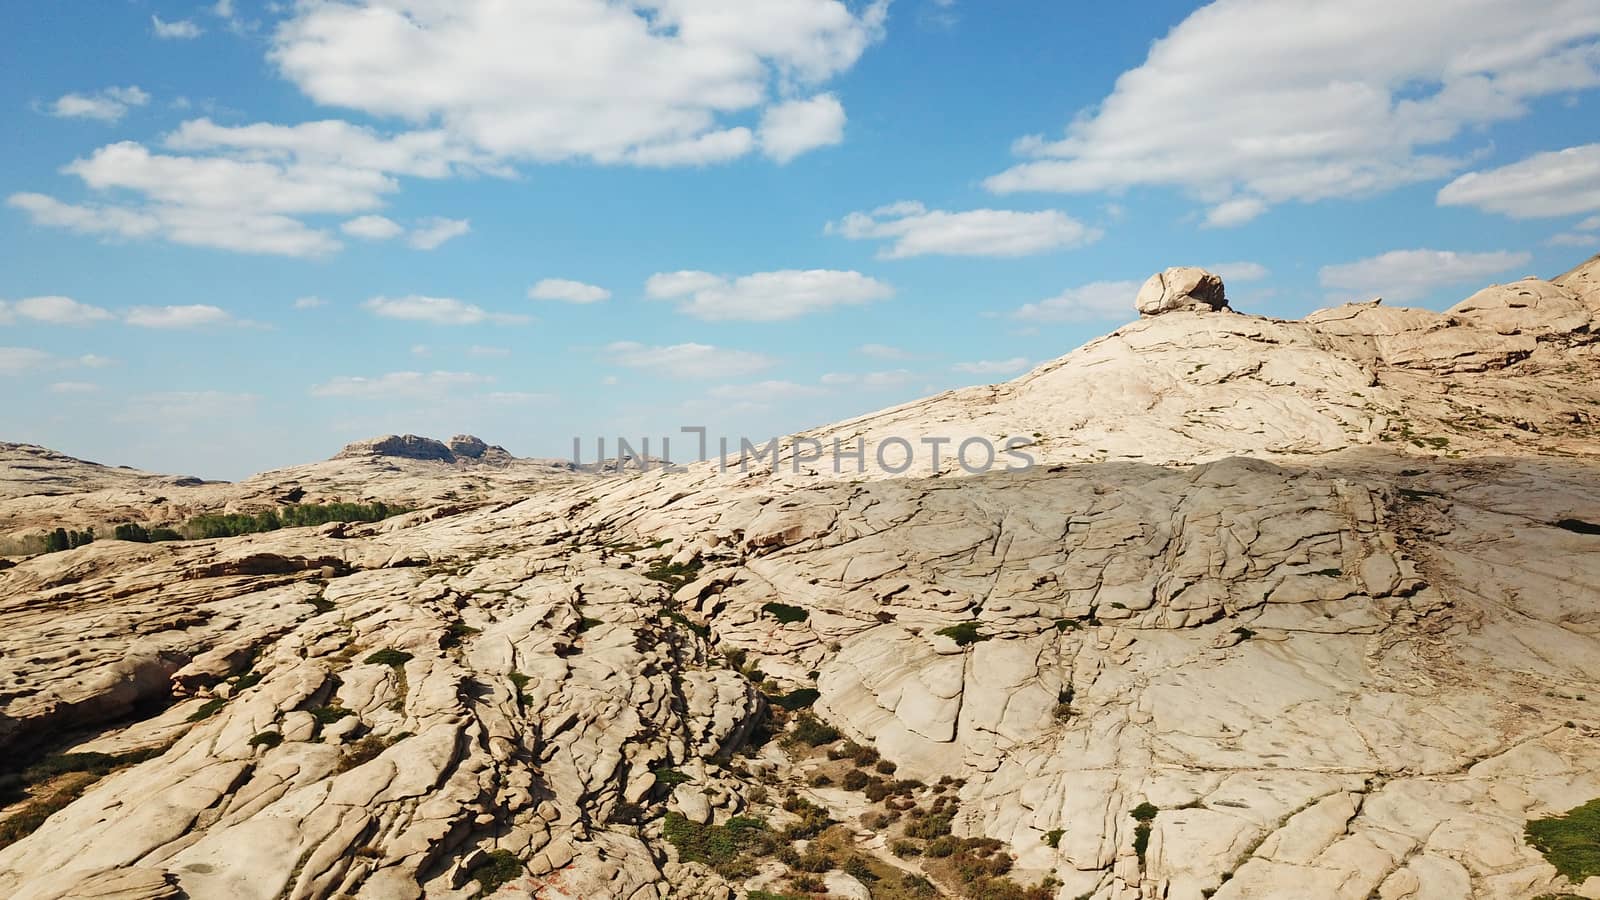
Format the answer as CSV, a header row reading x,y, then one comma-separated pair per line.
x,y
240,235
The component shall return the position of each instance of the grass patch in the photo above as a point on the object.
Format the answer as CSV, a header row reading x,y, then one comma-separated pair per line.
x,y
727,849
1570,842
395,658
327,715
496,869
675,575
670,777
812,731
207,710
268,739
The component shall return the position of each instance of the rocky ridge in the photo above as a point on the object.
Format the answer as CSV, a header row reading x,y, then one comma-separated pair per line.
x,y
1236,645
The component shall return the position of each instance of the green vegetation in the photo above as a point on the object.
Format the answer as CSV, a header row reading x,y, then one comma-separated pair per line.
x,y
1053,837
728,849
138,534
296,515
785,613
1570,842
55,782
810,730
395,658
327,715
497,868
208,709
62,539
1144,814
673,574
268,739
456,633
669,777
964,634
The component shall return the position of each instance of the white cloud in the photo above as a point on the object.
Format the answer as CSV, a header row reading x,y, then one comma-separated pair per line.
x,y
1558,183
883,351
1403,275
73,387
409,385
54,311
702,150
567,291
91,361
1575,239
583,79
1277,100
309,302
372,228
432,232
800,126
176,408
18,360
1590,224
688,360
181,30
1234,272
762,392
107,105
916,230
871,380
993,366
192,316
1235,212
482,351
421,350
1094,301
437,311
335,143
764,296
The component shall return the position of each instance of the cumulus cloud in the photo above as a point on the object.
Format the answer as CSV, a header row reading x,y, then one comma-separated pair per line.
x,y
108,105
652,83
1559,183
191,316
914,230
1403,275
688,360
1234,272
1090,302
53,311
21,360
763,392
883,351
372,228
871,380
800,126
180,30
408,385
764,296
432,232
437,311
309,302
992,366
567,291
73,387
1303,100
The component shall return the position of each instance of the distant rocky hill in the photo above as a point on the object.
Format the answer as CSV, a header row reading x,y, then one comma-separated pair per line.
x,y
1286,609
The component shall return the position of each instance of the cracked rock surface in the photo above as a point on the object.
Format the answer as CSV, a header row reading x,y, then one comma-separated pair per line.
x,y
1336,666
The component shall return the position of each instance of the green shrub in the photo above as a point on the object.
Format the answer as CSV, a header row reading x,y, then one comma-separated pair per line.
x,y
327,715
208,709
1144,812
669,777
212,525
1053,837
808,729
395,658
268,739
964,633
496,869
722,847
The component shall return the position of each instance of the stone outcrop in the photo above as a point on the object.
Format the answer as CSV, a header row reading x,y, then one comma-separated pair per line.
x,y
1181,288
1339,665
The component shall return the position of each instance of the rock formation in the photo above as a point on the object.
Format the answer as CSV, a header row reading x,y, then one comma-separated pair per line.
x,y
1285,609
1181,288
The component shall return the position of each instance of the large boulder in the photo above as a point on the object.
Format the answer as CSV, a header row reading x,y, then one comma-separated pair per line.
x,y
1181,288
1529,306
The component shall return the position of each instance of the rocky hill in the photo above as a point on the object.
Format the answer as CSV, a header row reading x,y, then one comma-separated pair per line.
x,y
1287,609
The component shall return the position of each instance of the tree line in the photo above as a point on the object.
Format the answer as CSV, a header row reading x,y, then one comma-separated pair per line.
x,y
220,525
